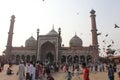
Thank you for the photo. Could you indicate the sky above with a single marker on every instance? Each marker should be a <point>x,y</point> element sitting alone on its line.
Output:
<point>72,16</point>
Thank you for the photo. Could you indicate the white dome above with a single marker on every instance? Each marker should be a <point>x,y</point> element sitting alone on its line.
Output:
<point>75,42</point>
<point>31,42</point>
<point>52,32</point>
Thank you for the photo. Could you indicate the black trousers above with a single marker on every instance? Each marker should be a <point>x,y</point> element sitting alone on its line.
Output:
<point>28,76</point>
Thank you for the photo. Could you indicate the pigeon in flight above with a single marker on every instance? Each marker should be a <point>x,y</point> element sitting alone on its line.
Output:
<point>116,26</point>
<point>103,40</point>
<point>98,33</point>
<point>77,13</point>
<point>109,46</point>
<point>112,41</point>
<point>99,49</point>
<point>106,35</point>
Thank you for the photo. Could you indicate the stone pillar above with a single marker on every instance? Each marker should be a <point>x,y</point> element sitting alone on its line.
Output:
<point>37,49</point>
<point>93,28</point>
<point>10,37</point>
<point>94,34</point>
<point>59,38</point>
<point>57,45</point>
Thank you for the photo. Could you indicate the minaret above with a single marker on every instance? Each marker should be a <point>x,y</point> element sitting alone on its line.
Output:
<point>94,36</point>
<point>37,51</point>
<point>59,40</point>
<point>93,30</point>
<point>10,37</point>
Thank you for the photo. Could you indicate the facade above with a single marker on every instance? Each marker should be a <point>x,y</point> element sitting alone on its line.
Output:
<point>48,47</point>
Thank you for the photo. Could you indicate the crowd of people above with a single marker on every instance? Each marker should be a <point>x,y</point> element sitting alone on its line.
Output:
<point>34,71</point>
<point>43,71</point>
<point>85,69</point>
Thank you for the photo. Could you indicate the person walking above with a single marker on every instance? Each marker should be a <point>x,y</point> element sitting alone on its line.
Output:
<point>85,72</point>
<point>33,69</point>
<point>49,76</point>
<point>118,70</point>
<point>36,72</point>
<point>40,71</point>
<point>76,73</point>
<point>21,71</point>
<point>28,71</point>
<point>69,76</point>
<point>111,72</point>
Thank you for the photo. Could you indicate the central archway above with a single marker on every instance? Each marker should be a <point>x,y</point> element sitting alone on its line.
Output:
<point>48,52</point>
<point>50,57</point>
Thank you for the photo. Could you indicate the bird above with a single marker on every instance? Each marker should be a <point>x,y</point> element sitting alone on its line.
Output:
<point>112,41</point>
<point>98,33</point>
<point>99,49</point>
<point>116,26</point>
<point>109,45</point>
<point>104,49</point>
<point>103,41</point>
<point>77,13</point>
<point>106,35</point>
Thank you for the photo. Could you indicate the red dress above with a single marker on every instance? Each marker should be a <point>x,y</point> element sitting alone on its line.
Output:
<point>86,74</point>
<point>40,70</point>
<point>49,77</point>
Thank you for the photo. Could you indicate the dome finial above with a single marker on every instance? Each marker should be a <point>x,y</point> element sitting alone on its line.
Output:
<point>52,32</point>
<point>31,34</point>
<point>75,34</point>
<point>53,27</point>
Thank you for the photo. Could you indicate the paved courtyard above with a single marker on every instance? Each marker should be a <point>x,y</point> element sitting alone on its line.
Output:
<point>58,76</point>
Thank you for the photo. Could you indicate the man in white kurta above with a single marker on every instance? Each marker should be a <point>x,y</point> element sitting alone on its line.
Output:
<point>28,71</point>
<point>33,69</point>
<point>21,71</point>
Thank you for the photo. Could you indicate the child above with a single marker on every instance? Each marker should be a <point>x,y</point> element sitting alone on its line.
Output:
<point>69,75</point>
<point>49,76</point>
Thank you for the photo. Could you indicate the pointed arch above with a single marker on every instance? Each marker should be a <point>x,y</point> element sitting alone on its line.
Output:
<point>69,59</point>
<point>28,58</point>
<point>82,58</point>
<point>33,58</point>
<point>89,58</point>
<point>63,59</point>
<point>17,59</point>
<point>76,59</point>
<point>23,57</point>
<point>48,51</point>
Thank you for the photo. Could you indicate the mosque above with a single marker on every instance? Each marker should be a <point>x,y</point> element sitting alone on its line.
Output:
<point>48,47</point>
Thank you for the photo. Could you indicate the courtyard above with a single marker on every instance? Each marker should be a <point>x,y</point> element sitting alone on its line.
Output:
<point>58,76</point>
